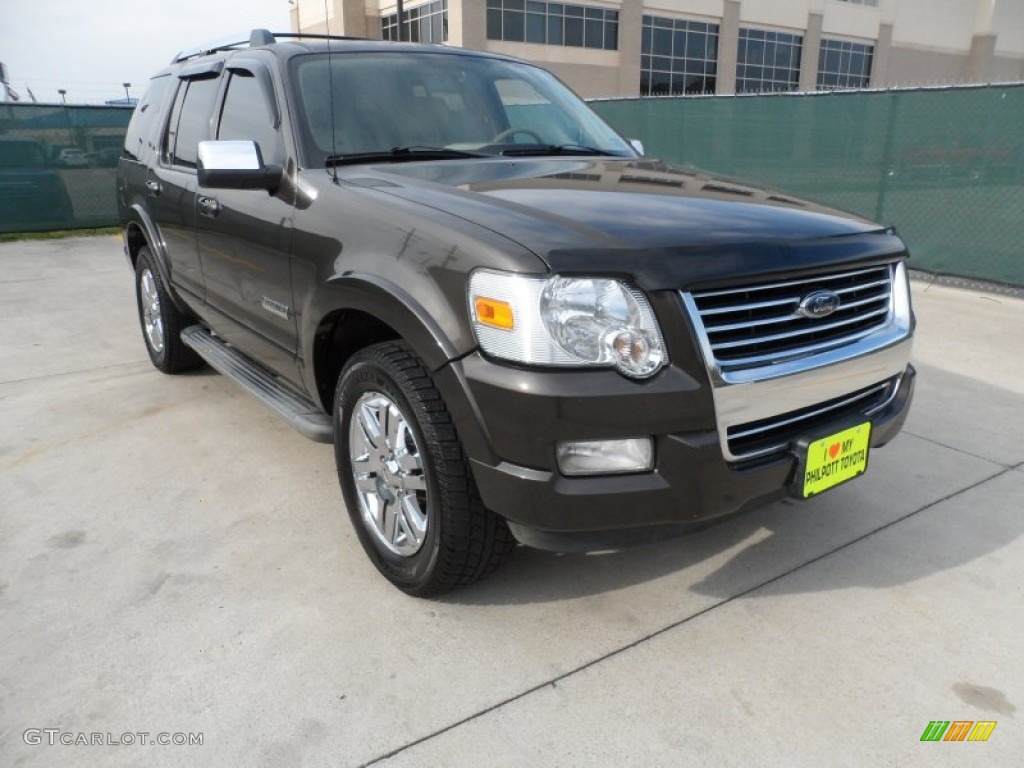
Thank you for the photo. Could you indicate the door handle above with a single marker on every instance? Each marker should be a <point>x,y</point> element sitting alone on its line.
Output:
<point>208,206</point>
<point>153,188</point>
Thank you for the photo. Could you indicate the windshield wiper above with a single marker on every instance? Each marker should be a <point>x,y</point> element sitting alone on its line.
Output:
<point>554,149</point>
<point>399,155</point>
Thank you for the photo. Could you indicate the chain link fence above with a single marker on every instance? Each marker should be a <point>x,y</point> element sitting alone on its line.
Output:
<point>945,166</point>
<point>58,165</point>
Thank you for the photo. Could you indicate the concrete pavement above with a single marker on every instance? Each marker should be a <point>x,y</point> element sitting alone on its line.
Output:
<point>175,559</point>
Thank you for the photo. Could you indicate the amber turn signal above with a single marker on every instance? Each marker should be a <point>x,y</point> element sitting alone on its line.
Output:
<point>497,314</point>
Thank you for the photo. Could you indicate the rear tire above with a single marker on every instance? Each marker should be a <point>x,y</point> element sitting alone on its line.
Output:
<point>161,321</point>
<point>405,477</point>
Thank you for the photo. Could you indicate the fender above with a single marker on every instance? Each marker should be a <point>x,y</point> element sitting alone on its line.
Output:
<point>409,318</point>
<point>158,248</point>
<point>389,303</point>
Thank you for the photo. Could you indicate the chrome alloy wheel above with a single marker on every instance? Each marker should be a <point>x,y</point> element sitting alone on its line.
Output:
<point>152,319</point>
<point>387,468</point>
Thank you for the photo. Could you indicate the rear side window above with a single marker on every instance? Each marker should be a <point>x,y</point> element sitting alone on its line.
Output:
<point>190,120</point>
<point>140,135</point>
<point>246,115</point>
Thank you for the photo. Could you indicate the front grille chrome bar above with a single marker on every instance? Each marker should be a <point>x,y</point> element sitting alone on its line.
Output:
<point>786,284</point>
<point>773,435</point>
<point>776,374</point>
<point>755,324</point>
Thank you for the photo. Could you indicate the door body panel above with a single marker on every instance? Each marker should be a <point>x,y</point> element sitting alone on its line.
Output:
<point>172,202</point>
<point>245,239</point>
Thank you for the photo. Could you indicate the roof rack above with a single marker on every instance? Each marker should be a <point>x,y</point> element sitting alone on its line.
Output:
<point>256,38</point>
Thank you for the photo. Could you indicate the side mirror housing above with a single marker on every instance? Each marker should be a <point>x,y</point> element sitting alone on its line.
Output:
<point>235,165</point>
<point>637,145</point>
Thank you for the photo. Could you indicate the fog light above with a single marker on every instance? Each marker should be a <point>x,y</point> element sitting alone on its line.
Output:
<point>604,457</point>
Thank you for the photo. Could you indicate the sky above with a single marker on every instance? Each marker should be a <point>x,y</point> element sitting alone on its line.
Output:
<point>91,47</point>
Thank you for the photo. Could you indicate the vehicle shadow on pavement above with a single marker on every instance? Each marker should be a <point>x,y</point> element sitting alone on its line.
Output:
<point>916,513</point>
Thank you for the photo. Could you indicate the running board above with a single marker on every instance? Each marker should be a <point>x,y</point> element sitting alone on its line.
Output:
<point>309,420</point>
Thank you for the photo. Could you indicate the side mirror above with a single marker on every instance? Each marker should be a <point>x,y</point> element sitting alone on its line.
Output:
<point>235,165</point>
<point>638,146</point>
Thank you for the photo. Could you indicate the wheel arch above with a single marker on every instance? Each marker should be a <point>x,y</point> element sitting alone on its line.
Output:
<point>141,231</point>
<point>339,335</point>
<point>355,311</point>
<point>134,241</point>
<point>371,309</point>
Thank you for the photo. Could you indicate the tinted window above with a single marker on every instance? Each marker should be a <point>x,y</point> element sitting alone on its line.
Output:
<point>172,123</point>
<point>246,115</point>
<point>443,100</point>
<point>843,64</point>
<point>552,24</point>
<point>426,23</point>
<point>767,61</point>
<point>531,112</point>
<point>140,129</point>
<point>678,56</point>
<point>194,122</point>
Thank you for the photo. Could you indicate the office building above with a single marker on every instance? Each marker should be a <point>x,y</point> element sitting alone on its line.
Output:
<point>673,47</point>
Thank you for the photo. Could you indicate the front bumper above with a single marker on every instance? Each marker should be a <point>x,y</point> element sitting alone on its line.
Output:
<point>692,484</point>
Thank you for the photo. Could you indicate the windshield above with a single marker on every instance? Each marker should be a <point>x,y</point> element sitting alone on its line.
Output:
<point>420,101</point>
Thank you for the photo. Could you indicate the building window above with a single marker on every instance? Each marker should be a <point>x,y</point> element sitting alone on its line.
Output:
<point>767,61</point>
<point>677,56</point>
<point>427,23</point>
<point>579,26</point>
<point>844,65</point>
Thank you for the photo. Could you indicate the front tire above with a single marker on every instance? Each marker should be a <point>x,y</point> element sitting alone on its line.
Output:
<point>161,321</point>
<point>405,478</point>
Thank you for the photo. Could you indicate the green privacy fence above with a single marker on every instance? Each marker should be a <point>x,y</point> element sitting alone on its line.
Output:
<point>945,166</point>
<point>57,165</point>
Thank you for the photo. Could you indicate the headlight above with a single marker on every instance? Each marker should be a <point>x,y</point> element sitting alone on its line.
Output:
<point>566,321</point>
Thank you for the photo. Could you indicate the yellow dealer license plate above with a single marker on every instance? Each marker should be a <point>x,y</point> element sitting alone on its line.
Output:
<point>835,459</point>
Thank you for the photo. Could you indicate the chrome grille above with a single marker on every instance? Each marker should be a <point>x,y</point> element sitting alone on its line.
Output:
<point>776,433</point>
<point>758,324</point>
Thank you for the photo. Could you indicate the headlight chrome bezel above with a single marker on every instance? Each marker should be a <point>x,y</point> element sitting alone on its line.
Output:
<point>532,341</point>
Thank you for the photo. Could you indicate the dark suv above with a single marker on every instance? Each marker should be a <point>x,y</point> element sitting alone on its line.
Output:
<point>510,324</point>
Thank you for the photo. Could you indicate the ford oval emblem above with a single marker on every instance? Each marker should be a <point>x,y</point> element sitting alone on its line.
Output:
<point>818,304</point>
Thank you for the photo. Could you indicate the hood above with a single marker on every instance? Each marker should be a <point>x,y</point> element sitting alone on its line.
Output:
<point>662,225</point>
